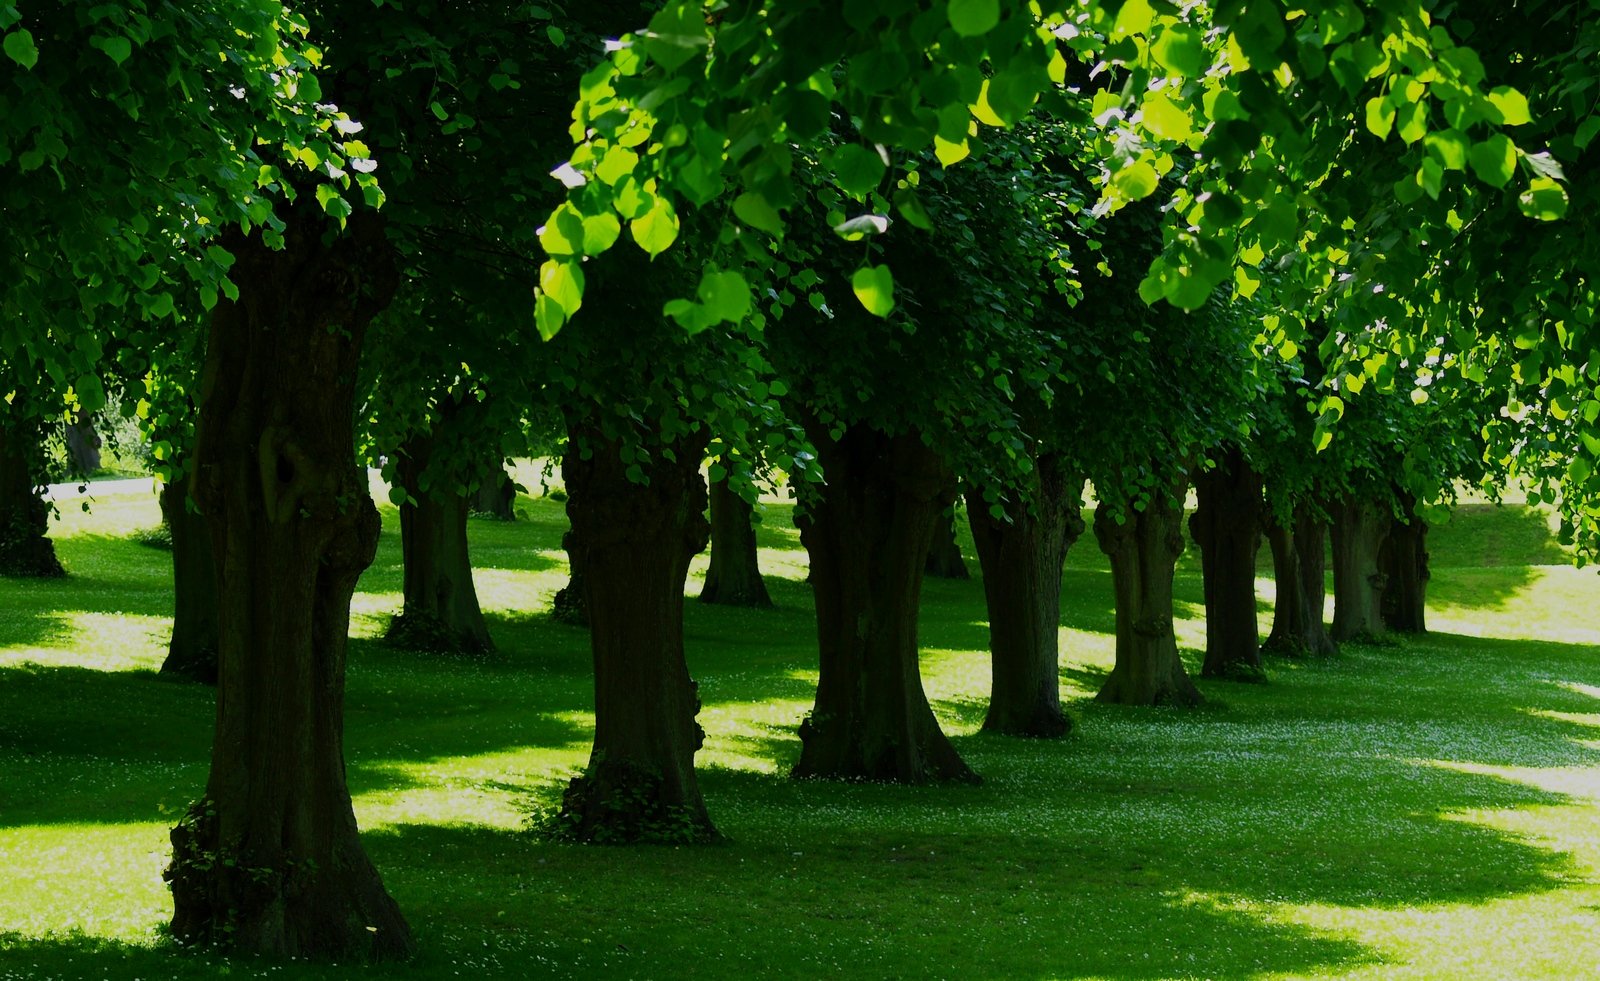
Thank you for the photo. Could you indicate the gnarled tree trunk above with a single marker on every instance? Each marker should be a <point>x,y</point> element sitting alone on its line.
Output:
<point>866,532</point>
<point>734,578</point>
<point>633,543</point>
<point>192,651</point>
<point>1021,556</point>
<point>1360,526</point>
<point>1299,569</point>
<point>1227,527</point>
<point>440,611</point>
<point>25,551</point>
<point>944,552</point>
<point>269,860</point>
<point>1144,552</point>
<point>1404,561</point>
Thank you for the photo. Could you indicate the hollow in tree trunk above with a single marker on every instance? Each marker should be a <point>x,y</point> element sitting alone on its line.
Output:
<point>269,861</point>
<point>866,531</point>
<point>1360,526</point>
<point>633,543</point>
<point>1299,570</point>
<point>192,651</point>
<point>440,611</point>
<point>496,498</point>
<point>25,549</point>
<point>1020,556</point>
<point>944,551</point>
<point>1144,552</point>
<point>1404,561</point>
<point>1227,527</point>
<point>734,578</point>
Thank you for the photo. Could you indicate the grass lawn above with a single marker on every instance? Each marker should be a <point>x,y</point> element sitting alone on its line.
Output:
<point>1424,810</point>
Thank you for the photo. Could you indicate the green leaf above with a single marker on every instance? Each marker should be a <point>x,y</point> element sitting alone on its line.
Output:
<point>1513,105</point>
<point>1164,118</point>
<point>1413,120</point>
<point>972,18</point>
<point>563,283</point>
<point>1494,160</point>
<point>1380,117</point>
<point>754,210</point>
<point>1136,182</point>
<point>726,295</point>
<point>1182,49</point>
<point>677,33</point>
<point>548,316</point>
<point>874,287</point>
<point>1544,200</point>
<point>1449,147</point>
<point>692,317</point>
<point>656,229</point>
<point>118,49</point>
<point>20,49</point>
<point>91,394</point>
<point>950,153</point>
<point>857,169</point>
<point>600,233</point>
<point>616,164</point>
<point>563,233</point>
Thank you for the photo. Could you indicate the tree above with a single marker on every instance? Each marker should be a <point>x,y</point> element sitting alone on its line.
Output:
<point>1227,525</point>
<point>734,577</point>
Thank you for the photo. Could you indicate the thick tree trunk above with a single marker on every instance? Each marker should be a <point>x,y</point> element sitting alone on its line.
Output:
<point>1404,561</point>
<point>568,605</point>
<point>440,611</point>
<point>1360,527</point>
<point>734,578</point>
<point>1144,552</point>
<point>1299,569</point>
<point>83,445</point>
<point>944,552</point>
<point>496,498</point>
<point>192,651</point>
<point>633,543</point>
<point>1020,557</point>
<point>1227,527</point>
<point>25,551</point>
<point>269,861</point>
<point>866,531</point>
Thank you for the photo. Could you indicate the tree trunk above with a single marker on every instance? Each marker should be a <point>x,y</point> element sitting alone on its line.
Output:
<point>568,605</point>
<point>192,651</point>
<point>25,551</point>
<point>496,498</point>
<point>944,552</point>
<point>1298,566</point>
<point>633,543</point>
<point>1227,527</point>
<point>1020,557</point>
<point>1360,527</point>
<point>269,861</point>
<point>1404,560</point>
<point>1144,552</point>
<point>734,578</point>
<point>866,531</point>
<point>83,445</point>
<point>440,611</point>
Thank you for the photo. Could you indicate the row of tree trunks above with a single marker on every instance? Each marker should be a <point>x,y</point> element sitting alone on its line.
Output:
<point>1227,527</point>
<point>1298,562</point>
<point>1403,561</point>
<point>633,543</point>
<point>1144,548</point>
<point>192,650</point>
<point>734,577</point>
<point>440,611</point>
<point>944,551</point>
<point>25,549</point>
<point>867,532</point>
<point>269,860</point>
<point>1360,526</point>
<point>1020,555</point>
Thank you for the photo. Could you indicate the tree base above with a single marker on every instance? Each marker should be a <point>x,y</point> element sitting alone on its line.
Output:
<point>1044,724</point>
<point>199,666</point>
<point>619,804</point>
<point>30,558</point>
<point>431,635</point>
<point>1252,674</point>
<point>568,606</point>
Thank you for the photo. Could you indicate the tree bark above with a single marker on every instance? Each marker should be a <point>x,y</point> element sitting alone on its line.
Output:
<point>192,651</point>
<point>25,549</point>
<point>734,578</point>
<point>1227,527</point>
<point>866,531</point>
<point>1298,565</point>
<point>1404,561</point>
<point>83,444</point>
<point>568,605</point>
<point>1021,557</point>
<point>633,543</point>
<point>944,552</point>
<point>496,498</point>
<point>1144,552</point>
<point>1360,527</point>
<point>269,861</point>
<point>440,611</point>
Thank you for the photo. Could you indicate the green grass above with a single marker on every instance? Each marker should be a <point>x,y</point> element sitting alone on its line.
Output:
<point>1426,810</point>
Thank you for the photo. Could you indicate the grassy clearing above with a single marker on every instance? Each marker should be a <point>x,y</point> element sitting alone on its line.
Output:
<point>1427,810</point>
